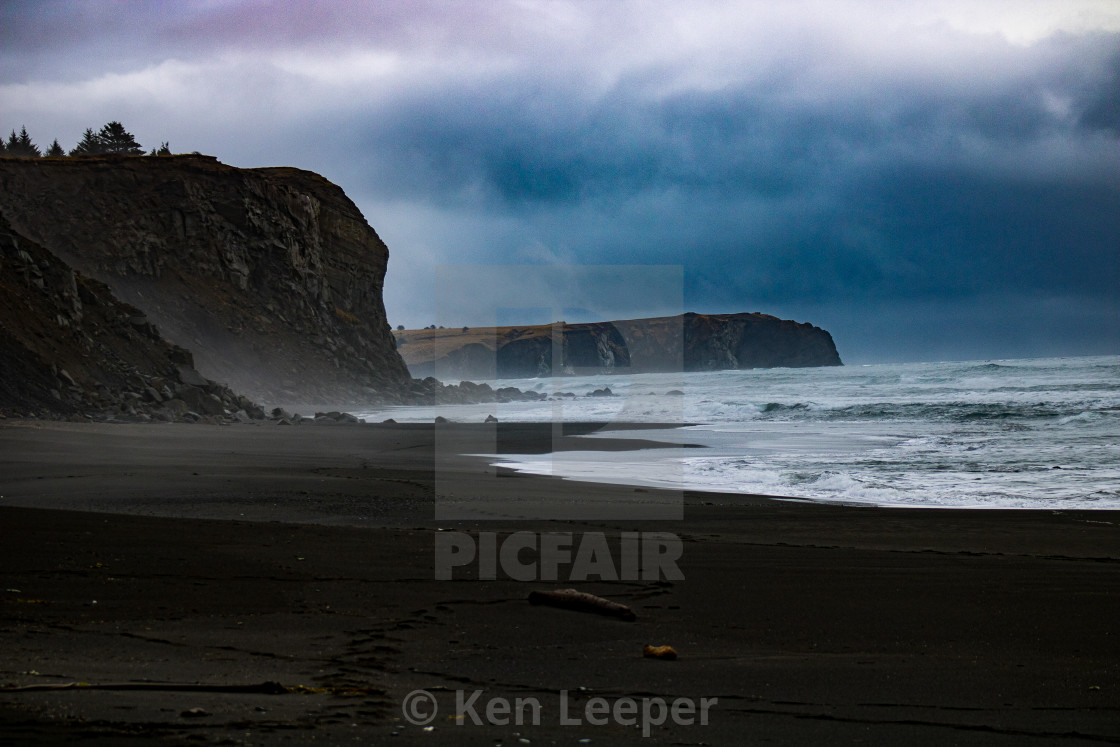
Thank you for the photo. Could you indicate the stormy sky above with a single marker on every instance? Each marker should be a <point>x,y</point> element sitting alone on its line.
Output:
<point>926,180</point>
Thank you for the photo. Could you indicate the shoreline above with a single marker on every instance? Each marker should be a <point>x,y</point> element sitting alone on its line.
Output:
<point>383,476</point>
<point>459,447</point>
<point>304,556</point>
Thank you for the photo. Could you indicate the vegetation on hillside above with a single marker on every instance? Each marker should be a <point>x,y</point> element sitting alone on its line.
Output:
<point>113,138</point>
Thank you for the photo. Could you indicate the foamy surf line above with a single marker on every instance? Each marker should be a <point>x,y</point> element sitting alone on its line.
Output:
<point>834,488</point>
<point>1032,434</point>
<point>841,464</point>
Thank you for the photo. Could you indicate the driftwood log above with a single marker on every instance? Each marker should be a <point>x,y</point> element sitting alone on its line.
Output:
<point>667,653</point>
<point>581,601</point>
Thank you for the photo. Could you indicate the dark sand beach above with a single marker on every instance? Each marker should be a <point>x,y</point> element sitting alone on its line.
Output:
<point>178,568</point>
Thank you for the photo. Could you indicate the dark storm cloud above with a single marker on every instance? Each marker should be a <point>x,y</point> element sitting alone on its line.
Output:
<point>906,192</point>
<point>805,159</point>
<point>523,143</point>
<point>1098,102</point>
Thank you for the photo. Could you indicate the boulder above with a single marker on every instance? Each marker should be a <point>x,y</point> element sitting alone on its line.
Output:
<point>202,401</point>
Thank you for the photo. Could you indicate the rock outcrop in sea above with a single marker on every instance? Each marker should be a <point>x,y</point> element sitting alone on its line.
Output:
<point>689,342</point>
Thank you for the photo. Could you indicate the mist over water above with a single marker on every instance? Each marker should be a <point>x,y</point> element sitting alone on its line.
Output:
<point>1039,433</point>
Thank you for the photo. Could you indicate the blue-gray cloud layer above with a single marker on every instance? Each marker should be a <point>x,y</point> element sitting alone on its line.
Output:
<point>959,201</point>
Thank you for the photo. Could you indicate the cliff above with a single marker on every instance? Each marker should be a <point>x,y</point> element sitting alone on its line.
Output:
<point>690,342</point>
<point>271,277</point>
<point>69,347</point>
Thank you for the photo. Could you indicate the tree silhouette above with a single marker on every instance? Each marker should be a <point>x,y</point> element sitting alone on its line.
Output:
<point>89,145</point>
<point>21,146</point>
<point>115,138</point>
<point>112,138</point>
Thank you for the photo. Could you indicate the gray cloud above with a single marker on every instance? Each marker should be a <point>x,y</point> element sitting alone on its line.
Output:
<point>914,193</point>
<point>793,162</point>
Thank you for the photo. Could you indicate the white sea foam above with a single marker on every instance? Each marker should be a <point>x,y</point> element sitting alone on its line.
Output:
<point>996,434</point>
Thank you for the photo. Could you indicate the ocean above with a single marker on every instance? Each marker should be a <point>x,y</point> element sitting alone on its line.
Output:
<point>1007,434</point>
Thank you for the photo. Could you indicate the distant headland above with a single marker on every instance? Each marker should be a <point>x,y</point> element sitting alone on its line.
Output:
<point>686,342</point>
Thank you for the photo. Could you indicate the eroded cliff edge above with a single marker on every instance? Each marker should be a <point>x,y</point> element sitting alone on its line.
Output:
<point>271,277</point>
<point>688,342</point>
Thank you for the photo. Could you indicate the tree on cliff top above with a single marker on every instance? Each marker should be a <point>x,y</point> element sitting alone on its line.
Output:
<point>55,151</point>
<point>21,146</point>
<point>116,139</point>
<point>89,145</point>
<point>113,138</point>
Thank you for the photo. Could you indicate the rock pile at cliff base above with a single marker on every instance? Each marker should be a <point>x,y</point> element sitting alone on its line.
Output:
<point>70,349</point>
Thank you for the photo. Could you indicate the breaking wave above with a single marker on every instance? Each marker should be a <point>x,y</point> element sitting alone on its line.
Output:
<point>1041,433</point>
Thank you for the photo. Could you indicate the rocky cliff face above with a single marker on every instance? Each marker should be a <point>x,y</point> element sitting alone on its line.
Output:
<point>270,277</point>
<point>69,347</point>
<point>712,342</point>
<point>583,349</point>
<point>690,342</point>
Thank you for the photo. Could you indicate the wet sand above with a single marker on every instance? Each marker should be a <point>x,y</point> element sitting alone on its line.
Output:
<point>174,565</point>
